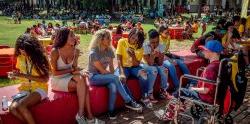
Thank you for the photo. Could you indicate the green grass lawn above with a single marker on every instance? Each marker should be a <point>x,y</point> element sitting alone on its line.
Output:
<point>10,32</point>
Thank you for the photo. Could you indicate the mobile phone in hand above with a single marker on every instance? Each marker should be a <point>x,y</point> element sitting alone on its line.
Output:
<point>19,96</point>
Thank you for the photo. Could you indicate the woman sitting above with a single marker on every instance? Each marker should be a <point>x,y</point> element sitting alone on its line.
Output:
<point>129,55</point>
<point>33,71</point>
<point>169,63</point>
<point>188,31</point>
<point>101,71</point>
<point>66,73</point>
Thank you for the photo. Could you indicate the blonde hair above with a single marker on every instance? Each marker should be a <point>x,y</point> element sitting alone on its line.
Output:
<point>98,38</point>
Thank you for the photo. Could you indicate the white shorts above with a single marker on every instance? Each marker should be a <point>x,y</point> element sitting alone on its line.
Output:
<point>40,91</point>
<point>60,83</point>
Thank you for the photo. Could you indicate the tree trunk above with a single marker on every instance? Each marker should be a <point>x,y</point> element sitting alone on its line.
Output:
<point>152,3</point>
<point>199,8</point>
<point>47,5</point>
<point>32,5</point>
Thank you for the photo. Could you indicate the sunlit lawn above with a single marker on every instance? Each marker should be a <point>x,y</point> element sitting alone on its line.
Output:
<point>10,32</point>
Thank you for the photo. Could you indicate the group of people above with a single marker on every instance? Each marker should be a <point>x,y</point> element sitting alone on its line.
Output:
<point>230,34</point>
<point>222,42</point>
<point>136,57</point>
<point>190,26</point>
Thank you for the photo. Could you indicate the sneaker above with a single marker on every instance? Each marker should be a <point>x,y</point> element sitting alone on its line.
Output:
<point>95,121</point>
<point>81,119</point>
<point>168,96</point>
<point>112,115</point>
<point>147,103</point>
<point>165,95</point>
<point>247,68</point>
<point>133,105</point>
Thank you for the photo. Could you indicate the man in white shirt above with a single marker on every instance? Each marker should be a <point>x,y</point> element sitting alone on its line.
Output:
<point>153,60</point>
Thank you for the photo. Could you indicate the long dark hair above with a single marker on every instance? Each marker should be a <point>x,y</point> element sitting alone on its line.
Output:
<point>235,33</point>
<point>140,36</point>
<point>61,37</point>
<point>35,53</point>
<point>119,29</point>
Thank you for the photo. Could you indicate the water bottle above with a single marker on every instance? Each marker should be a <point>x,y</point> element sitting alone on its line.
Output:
<point>10,75</point>
<point>4,103</point>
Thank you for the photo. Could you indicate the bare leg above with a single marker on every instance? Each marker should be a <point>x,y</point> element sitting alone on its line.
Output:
<point>78,84</point>
<point>88,107</point>
<point>29,101</point>
<point>13,110</point>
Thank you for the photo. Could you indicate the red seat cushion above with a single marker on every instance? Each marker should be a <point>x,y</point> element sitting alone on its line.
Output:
<point>4,46</point>
<point>7,61</point>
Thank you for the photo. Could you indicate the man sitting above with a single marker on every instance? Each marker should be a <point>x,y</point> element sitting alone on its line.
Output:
<point>203,91</point>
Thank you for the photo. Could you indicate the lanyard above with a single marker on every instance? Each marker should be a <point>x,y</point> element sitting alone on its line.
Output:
<point>29,72</point>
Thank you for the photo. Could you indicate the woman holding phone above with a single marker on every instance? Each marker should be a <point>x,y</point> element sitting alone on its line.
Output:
<point>33,71</point>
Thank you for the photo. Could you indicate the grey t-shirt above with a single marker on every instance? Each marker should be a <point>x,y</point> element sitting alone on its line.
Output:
<point>103,57</point>
<point>148,50</point>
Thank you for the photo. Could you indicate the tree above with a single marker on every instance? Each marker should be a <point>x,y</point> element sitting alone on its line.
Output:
<point>152,3</point>
<point>201,2</point>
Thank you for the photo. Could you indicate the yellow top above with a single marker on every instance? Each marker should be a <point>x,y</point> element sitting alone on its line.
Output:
<point>25,86</point>
<point>45,41</point>
<point>248,22</point>
<point>241,28</point>
<point>122,47</point>
<point>224,41</point>
<point>234,72</point>
<point>195,27</point>
<point>165,42</point>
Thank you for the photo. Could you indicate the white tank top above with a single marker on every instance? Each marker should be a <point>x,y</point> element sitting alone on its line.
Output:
<point>61,65</point>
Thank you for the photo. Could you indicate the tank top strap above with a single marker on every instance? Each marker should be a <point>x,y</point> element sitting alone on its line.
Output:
<point>74,56</point>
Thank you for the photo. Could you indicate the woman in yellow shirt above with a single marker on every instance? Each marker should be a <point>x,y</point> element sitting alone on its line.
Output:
<point>129,55</point>
<point>195,26</point>
<point>242,28</point>
<point>34,69</point>
<point>164,37</point>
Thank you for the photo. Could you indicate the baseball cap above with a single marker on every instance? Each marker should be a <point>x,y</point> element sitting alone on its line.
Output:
<point>213,46</point>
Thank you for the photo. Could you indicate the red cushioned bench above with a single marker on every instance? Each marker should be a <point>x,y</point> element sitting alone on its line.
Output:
<point>61,107</point>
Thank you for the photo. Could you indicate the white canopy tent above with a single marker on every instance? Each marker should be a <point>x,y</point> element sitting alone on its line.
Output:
<point>244,8</point>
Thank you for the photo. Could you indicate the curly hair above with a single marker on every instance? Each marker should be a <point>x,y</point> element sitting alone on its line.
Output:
<point>98,37</point>
<point>61,37</point>
<point>35,53</point>
<point>140,36</point>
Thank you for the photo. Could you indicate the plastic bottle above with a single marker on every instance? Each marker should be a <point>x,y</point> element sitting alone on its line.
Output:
<point>4,103</point>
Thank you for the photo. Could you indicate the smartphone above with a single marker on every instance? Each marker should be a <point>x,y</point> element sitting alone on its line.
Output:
<point>19,96</point>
